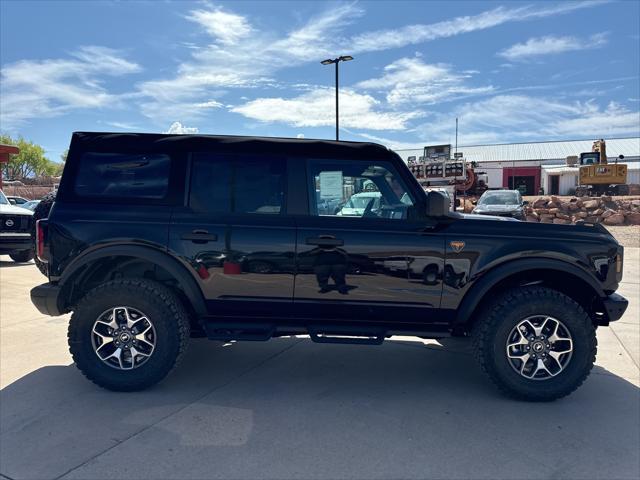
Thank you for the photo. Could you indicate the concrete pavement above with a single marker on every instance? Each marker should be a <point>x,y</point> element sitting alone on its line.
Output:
<point>290,408</point>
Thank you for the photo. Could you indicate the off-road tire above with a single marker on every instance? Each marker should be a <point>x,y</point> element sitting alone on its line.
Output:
<point>163,308</point>
<point>491,330</point>
<point>21,256</point>
<point>41,211</point>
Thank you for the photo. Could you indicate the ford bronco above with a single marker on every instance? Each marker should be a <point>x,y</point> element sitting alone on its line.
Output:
<point>155,238</point>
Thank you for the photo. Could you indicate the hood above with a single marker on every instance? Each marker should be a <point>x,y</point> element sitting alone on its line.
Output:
<point>498,208</point>
<point>349,212</point>
<point>13,210</point>
<point>471,216</point>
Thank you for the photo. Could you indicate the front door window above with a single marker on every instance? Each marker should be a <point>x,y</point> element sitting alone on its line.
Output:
<point>358,189</point>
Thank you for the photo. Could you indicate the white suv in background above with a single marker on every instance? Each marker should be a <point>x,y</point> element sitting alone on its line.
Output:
<point>15,231</point>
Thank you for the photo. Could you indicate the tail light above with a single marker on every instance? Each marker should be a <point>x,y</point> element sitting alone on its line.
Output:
<point>619,263</point>
<point>42,249</point>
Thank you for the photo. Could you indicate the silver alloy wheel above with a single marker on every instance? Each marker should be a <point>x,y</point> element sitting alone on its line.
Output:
<point>123,337</point>
<point>539,347</point>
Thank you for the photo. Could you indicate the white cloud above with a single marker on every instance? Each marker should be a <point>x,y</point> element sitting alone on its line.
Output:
<point>228,28</point>
<point>245,60</point>
<point>389,143</point>
<point>237,53</point>
<point>241,55</point>
<point>410,80</point>
<point>419,33</point>
<point>209,104</point>
<point>508,118</point>
<point>178,128</point>
<point>47,88</point>
<point>612,120</point>
<point>317,109</point>
<point>300,135</point>
<point>552,45</point>
<point>123,125</point>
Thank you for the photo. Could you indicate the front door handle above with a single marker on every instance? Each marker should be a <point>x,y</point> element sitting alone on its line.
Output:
<point>325,241</point>
<point>200,236</point>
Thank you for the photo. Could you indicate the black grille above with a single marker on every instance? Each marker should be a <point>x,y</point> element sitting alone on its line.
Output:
<point>15,223</point>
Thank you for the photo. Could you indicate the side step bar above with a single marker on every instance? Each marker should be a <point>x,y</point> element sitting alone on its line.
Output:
<point>253,332</point>
<point>346,335</point>
<point>259,331</point>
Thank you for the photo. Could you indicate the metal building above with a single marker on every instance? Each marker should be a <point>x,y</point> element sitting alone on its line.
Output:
<point>533,165</point>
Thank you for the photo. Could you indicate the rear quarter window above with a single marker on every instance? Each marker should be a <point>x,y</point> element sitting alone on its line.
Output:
<point>123,175</point>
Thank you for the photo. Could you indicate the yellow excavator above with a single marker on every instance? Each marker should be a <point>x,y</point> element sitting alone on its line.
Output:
<point>597,176</point>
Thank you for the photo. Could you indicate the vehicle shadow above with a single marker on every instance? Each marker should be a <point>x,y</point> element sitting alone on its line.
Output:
<point>290,408</point>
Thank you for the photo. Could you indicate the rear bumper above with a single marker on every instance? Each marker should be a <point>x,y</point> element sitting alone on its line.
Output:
<point>45,298</point>
<point>615,305</point>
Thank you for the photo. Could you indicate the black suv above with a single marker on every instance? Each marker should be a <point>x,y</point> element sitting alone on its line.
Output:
<point>153,238</point>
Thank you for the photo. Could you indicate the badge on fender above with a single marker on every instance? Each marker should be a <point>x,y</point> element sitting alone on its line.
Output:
<point>457,245</point>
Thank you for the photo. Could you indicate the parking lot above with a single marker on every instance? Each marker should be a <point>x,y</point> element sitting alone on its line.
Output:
<point>290,408</point>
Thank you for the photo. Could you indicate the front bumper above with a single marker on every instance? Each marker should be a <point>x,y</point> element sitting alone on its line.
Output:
<point>615,306</point>
<point>45,298</point>
<point>15,241</point>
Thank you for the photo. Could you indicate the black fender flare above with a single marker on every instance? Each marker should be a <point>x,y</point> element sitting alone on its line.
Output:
<point>477,293</point>
<point>162,259</point>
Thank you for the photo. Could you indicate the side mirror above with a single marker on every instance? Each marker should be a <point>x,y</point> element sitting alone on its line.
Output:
<point>620,157</point>
<point>12,201</point>
<point>525,202</point>
<point>474,202</point>
<point>438,205</point>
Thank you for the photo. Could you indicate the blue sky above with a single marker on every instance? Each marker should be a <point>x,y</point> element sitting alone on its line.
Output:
<point>511,71</point>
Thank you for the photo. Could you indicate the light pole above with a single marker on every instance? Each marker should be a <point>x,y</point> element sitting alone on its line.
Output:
<point>343,58</point>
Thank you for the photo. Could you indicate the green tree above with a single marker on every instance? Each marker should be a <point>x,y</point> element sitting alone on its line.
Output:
<point>60,166</point>
<point>30,162</point>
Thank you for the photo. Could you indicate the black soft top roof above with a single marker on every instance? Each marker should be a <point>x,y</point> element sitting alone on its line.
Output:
<point>152,142</point>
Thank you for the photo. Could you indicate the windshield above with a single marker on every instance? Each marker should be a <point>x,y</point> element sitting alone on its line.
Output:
<point>3,199</point>
<point>499,198</point>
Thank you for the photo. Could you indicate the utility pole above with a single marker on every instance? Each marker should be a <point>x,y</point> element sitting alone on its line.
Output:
<point>455,175</point>
<point>337,108</point>
<point>456,135</point>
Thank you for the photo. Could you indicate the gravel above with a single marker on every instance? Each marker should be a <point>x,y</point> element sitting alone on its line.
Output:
<point>627,236</point>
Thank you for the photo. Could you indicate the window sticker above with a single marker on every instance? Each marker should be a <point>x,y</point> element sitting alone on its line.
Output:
<point>331,184</point>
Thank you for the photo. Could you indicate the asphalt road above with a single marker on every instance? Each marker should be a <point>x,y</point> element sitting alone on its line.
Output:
<point>290,408</point>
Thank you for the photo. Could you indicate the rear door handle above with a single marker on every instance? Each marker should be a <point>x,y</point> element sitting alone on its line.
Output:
<point>200,236</point>
<point>325,241</point>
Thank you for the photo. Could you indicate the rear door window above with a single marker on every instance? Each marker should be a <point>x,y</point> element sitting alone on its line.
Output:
<point>237,184</point>
<point>123,175</point>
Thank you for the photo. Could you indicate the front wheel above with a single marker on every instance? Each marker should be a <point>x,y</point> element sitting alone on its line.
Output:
<point>22,256</point>
<point>128,334</point>
<point>535,343</point>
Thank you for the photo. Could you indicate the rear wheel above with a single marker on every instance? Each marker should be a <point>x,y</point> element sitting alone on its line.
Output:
<point>535,343</point>
<point>127,335</point>
<point>21,256</point>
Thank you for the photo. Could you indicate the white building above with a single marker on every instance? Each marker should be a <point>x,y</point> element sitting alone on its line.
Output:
<point>563,179</point>
<point>537,164</point>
